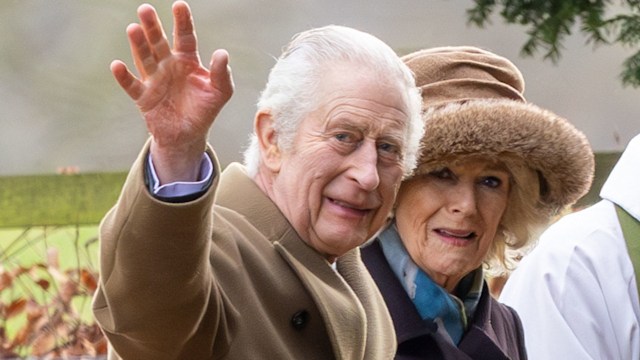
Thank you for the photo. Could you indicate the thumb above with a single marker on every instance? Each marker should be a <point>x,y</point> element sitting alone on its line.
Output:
<point>220,73</point>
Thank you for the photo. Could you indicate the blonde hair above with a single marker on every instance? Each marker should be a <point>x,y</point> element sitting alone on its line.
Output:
<point>523,220</point>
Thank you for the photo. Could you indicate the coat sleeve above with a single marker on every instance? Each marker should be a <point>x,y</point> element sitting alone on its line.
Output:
<point>156,295</point>
<point>572,293</point>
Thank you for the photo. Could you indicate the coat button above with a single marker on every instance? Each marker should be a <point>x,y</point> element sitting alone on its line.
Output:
<point>299,320</point>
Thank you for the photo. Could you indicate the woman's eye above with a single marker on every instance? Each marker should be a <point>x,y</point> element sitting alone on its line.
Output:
<point>444,173</point>
<point>492,181</point>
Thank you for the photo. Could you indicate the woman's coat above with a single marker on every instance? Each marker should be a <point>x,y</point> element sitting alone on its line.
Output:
<point>494,333</point>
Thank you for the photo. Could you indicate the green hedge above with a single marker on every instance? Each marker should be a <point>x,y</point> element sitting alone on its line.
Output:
<point>57,199</point>
<point>81,199</point>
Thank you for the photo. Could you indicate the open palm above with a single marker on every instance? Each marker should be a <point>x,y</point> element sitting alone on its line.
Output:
<point>178,97</point>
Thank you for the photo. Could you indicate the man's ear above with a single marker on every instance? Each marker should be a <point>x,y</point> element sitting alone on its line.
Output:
<point>268,141</point>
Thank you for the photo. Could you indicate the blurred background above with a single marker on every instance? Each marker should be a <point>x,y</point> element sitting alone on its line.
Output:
<point>60,106</point>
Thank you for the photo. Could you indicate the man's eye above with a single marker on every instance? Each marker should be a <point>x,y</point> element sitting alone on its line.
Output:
<point>388,148</point>
<point>344,137</point>
<point>389,152</point>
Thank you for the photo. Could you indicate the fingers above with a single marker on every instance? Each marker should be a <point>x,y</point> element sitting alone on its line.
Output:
<point>131,85</point>
<point>147,40</point>
<point>184,36</point>
<point>220,73</point>
<point>154,32</point>
<point>143,57</point>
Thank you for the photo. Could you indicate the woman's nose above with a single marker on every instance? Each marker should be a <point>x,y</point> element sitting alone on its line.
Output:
<point>462,199</point>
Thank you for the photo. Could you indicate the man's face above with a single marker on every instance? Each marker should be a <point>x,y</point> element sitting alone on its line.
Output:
<point>338,183</point>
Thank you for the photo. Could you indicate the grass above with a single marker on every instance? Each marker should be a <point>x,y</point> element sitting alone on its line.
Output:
<point>57,199</point>
<point>49,262</point>
<point>77,245</point>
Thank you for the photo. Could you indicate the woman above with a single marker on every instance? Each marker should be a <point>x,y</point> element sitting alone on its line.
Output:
<point>492,172</point>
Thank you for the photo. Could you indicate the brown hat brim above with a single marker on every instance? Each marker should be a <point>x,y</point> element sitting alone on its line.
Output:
<point>496,128</point>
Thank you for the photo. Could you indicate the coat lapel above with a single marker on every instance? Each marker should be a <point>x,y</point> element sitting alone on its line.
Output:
<point>341,310</point>
<point>481,339</point>
<point>336,301</point>
<point>407,321</point>
<point>381,342</point>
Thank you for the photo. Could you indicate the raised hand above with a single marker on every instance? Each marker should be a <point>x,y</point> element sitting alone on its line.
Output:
<point>178,97</point>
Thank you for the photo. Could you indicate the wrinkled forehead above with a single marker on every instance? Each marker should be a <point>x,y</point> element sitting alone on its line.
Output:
<point>348,87</point>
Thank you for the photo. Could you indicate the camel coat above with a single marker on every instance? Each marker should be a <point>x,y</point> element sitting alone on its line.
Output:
<point>225,276</point>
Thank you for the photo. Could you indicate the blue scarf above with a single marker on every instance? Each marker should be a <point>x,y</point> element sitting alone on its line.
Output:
<point>435,304</point>
<point>432,301</point>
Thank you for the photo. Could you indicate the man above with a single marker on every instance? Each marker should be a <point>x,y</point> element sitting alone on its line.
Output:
<point>258,262</point>
<point>576,291</point>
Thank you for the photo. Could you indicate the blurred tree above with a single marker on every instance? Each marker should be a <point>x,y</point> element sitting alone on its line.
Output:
<point>548,22</point>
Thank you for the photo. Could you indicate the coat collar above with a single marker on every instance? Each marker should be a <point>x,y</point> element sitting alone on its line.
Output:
<point>481,334</point>
<point>409,325</point>
<point>334,295</point>
<point>234,190</point>
<point>406,319</point>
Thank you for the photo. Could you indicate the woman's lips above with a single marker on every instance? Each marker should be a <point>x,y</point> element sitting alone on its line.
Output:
<point>458,234</point>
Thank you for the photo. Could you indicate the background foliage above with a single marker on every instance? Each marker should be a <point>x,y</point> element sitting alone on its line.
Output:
<point>549,23</point>
<point>49,263</point>
<point>47,279</point>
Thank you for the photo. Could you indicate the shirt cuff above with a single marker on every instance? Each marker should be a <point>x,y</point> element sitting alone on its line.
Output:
<point>180,189</point>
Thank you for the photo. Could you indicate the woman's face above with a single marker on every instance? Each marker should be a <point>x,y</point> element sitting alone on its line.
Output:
<point>448,218</point>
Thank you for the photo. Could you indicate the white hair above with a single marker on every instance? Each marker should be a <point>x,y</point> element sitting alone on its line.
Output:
<point>292,87</point>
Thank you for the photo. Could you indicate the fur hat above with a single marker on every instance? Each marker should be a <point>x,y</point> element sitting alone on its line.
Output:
<point>473,105</point>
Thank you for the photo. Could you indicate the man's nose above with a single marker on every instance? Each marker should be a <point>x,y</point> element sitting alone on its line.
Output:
<point>364,169</point>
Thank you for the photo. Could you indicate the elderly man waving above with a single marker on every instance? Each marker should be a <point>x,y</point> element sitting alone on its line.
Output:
<point>258,261</point>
